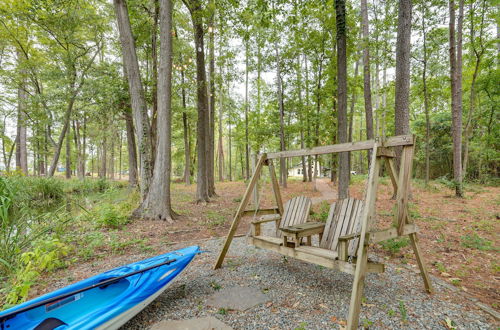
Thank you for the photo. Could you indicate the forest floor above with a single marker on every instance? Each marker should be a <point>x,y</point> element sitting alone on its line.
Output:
<point>458,237</point>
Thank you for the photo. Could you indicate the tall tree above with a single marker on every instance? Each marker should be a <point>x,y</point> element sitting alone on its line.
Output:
<point>402,84</point>
<point>139,108</point>
<point>478,49</point>
<point>22,97</point>
<point>202,135</point>
<point>157,204</point>
<point>211,114</point>
<point>366,70</point>
<point>344,172</point>
<point>456,93</point>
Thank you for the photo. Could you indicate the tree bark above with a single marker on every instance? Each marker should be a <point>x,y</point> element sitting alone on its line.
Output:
<point>139,108</point>
<point>202,136</point>
<point>426,100</point>
<point>186,136</point>
<point>456,94</point>
<point>211,115</point>
<point>154,69</point>
<point>366,71</point>
<point>21,145</point>
<point>300,111</point>
<point>157,204</point>
<point>344,172</point>
<point>283,170</point>
<point>478,54</point>
<point>247,145</point>
<point>132,148</point>
<point>402,84</point>
<point>68,153</point>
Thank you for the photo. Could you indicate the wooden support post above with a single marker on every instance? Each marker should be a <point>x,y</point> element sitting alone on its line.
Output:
<point>240,211</point>
<point>276,186</point>
<point>255,193</point>
<point>391,169</point>
<point>404,187</point>
<point>362,256</point>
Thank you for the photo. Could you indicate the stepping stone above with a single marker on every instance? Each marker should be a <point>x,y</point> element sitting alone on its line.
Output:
<point>204,323</point>
<point>238,298</point>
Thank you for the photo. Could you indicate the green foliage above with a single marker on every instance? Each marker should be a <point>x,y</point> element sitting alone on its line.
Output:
<point>45,256</point>
<point>403,311</point>
<point>394,245</point>
<point>109,216</point>
<point>474,241</point>
<point>322,213</point>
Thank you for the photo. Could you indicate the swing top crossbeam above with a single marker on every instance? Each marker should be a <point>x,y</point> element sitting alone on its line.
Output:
<point>395,141</point>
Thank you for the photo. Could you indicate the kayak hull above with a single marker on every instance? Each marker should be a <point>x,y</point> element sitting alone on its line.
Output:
<point>103,307</point>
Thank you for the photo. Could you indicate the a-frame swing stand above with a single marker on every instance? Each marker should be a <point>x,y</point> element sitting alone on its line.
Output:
<point>381,152</point>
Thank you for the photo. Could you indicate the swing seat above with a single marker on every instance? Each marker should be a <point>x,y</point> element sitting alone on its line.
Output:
<point>295,212</point>
<point>338,243</point>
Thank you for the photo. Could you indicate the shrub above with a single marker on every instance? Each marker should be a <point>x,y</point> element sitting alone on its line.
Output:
<point>108,216</point>
<point>394,245</point>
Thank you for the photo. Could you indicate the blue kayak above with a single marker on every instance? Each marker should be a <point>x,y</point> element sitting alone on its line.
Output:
<point>104,301</point>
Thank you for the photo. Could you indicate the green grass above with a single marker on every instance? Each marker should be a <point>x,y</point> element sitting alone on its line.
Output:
<point>215,219</point>
<point>474,241</point>
<point>394,245</point>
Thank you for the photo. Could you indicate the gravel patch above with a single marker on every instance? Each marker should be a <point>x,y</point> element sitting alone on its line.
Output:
<point>307,296</point>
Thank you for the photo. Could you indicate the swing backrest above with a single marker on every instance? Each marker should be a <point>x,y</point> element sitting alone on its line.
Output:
<point>343,219</point>
<point>295,212</point>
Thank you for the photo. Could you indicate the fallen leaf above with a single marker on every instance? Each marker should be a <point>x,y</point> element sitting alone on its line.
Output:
<point>445,274</point>
<point>296,304</point>
<point>269,304</point>
<point>323,306</point>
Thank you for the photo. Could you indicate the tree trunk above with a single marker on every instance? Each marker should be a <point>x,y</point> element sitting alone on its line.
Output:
<point>132,148</point>
<point>402,84</point>
<point>283,170</point>
<point>112,157</point>
<point>157,204</point>
<point>344,172</point>
<point>185,130</point>
<point>366,71</point>
<point>64,130</point>
<point>220,146</point>
<point>308,122</point>
<point>351,111</point>
<point>426,100</point>
<point>21,148</point>
<point>104,156</point>
<point>154,60</point>
<point>139,108</point>
<point>211,125</point>
<point>202,194</point>
<point>68,153</point>
<point>456,94</point>
<point>478,53</point>
<point>247,146</point>
<point>301,122</point>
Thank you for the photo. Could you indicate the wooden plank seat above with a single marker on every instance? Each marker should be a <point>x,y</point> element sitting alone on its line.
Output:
<point>338,244</point>
<point>295,212</point>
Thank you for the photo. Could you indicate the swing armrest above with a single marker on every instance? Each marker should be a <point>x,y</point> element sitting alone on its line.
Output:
<point>267,218</point>
<point>349,237</point>
<point>343,247</point>
<point>264,219</point>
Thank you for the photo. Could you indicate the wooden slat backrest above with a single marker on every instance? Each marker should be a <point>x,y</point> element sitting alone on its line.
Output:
<point>343,219</point>
<point>296,211</point>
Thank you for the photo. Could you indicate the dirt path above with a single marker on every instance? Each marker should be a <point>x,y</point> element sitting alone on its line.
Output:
<point>327,193</point>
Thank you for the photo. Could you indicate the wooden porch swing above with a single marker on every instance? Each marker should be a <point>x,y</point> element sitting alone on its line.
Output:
<point>345,237</point>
